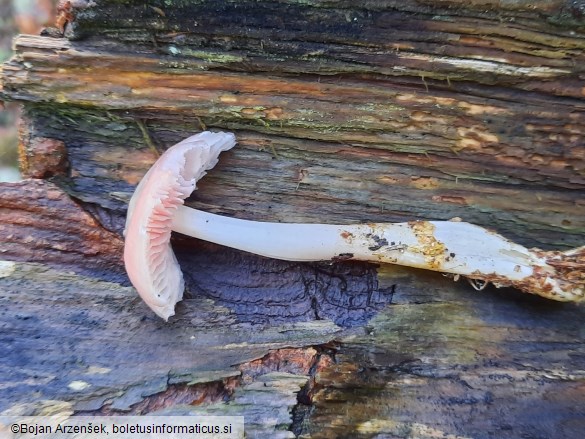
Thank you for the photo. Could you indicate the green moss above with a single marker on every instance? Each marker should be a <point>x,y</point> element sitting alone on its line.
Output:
<point>218,57</point>
<point>445,330</point>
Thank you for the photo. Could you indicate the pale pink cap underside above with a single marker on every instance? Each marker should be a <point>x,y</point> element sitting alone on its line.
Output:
<point>149,258</point>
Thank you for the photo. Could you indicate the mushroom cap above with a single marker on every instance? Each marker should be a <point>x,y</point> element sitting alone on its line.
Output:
<point>150,262</point>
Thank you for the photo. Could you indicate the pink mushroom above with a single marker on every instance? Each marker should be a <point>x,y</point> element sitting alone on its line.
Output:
<point>457,248</point>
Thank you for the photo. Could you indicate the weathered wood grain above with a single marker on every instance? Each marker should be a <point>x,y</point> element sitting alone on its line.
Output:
<point>441,360</point>
<point>485,123</point>
<point>344,112</point>
<point>459,365</point>
<point>99,334</point>
<point>40,223</point>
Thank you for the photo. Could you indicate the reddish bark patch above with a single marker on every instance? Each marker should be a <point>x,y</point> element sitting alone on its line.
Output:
<point>43,158</point>
<point>293,360</point>
<point>40,223</point>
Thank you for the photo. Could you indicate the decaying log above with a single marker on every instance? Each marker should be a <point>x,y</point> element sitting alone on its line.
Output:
<point>457,366</point>
<point>94,346</point>
<point>388,113</point>
<point>344,112</point>
<point>32,218</point>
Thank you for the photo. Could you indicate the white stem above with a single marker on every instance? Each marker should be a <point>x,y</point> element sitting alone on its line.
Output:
<point>445,246</point>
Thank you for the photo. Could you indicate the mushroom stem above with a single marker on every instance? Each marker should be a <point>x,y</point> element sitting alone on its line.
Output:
<point>451,247</point>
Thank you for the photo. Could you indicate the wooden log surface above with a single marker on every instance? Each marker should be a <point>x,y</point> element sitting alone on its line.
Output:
<point>440,360</point>
<point>382,111</point>
<point>391,112</point>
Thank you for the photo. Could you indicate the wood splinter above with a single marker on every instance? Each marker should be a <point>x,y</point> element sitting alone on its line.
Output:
<point>453,247</point>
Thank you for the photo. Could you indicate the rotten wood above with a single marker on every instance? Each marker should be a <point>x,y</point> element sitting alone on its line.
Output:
<point>393,112</point>
<point>99,350</point>
<point>442,360</point>
<point>457,365</point>
<point>467,355</point>
<point>41,223</point>
<point>382,111</point>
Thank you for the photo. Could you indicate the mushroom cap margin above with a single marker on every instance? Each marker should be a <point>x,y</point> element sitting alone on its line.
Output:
<point>149,259</point>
